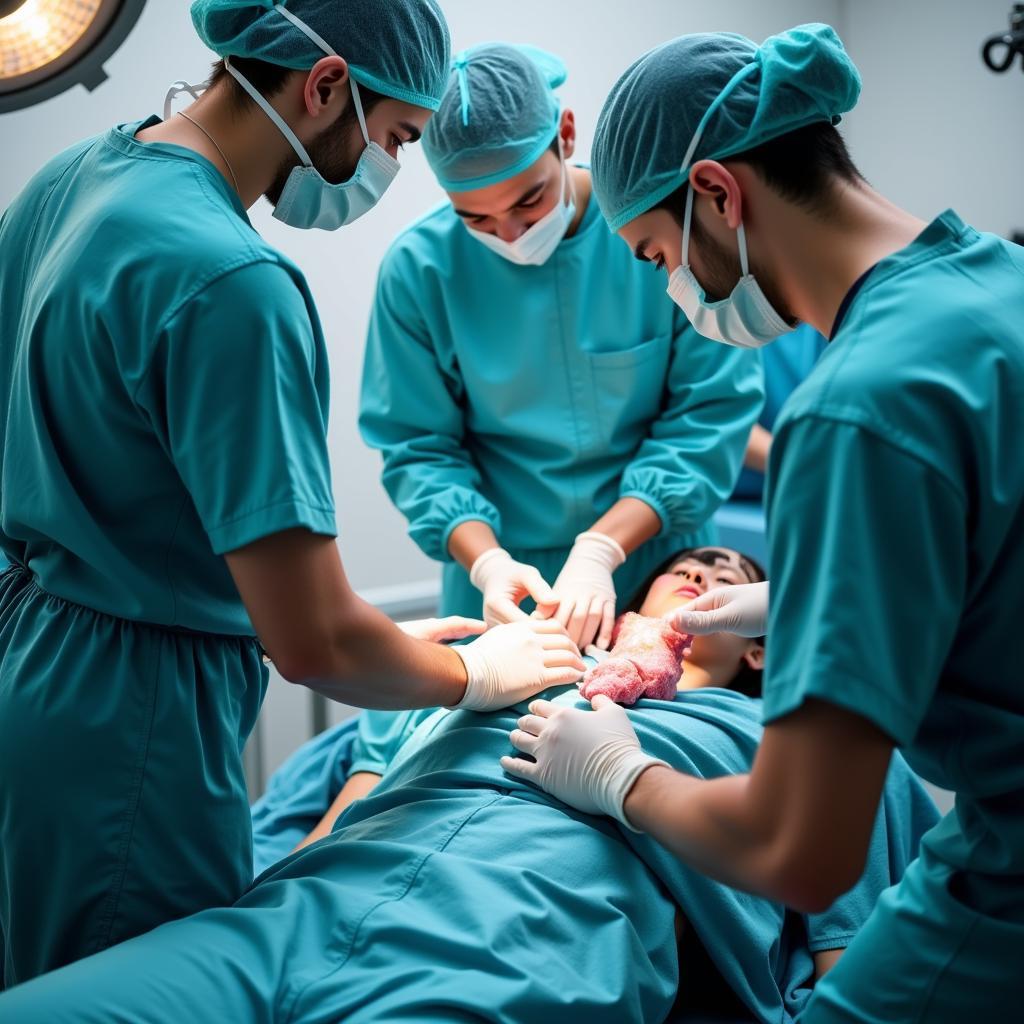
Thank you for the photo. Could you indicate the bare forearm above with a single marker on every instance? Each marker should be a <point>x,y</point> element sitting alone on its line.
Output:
<point>373,664</point>
<point>708,824</point>
<point>630,522</point>
<point>758,447</point>
<point>356,787</point>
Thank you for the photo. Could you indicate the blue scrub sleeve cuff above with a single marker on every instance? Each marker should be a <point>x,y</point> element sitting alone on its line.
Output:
<point>827,941</point>
<point>659,509</point>
<point>285,515</point>
<point>479,517</point>
<point>877,704</point>
<point>366,764</point>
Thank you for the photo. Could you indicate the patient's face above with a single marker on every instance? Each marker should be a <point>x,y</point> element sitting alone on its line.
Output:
<point>721,655</point>
<point>702,570</point>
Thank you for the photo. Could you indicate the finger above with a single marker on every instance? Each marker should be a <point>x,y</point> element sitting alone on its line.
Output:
<point>592,623</point>
<point>538,589</point>
<point>558,642</point>
<point>547,627</point>
<point>524,742</point>
<point>694,623</point>
<point>504,609</point>
<point>517,766</point>
<point>532,724</point>
<point>564,659</point>
<point>458,628</point>
<point>601,700</point>
<point>544,708</point>
<point>577,621</point>
<point>604,636</point>
<point>546,609</point>
<point>562,676</point>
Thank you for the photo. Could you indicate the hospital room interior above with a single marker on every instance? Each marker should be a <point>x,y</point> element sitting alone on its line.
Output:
<point>410,859</point>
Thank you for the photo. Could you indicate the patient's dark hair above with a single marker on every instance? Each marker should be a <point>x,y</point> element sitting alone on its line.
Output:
<point>747,680</point>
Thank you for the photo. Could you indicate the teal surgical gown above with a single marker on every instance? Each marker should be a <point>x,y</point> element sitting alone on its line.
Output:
<point>533,398</point>
<point>455,892</point>
<point>163,401</point>
<point>896,524</point>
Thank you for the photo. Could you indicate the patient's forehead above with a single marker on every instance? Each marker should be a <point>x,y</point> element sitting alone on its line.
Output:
<point>720,557</point>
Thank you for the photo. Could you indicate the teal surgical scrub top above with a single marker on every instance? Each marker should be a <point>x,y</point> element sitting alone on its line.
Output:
<point>533,398</point>
<point>163,401</point>
<point>896,525</point>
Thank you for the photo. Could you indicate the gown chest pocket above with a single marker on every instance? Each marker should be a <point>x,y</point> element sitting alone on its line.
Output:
<point>628,389</point>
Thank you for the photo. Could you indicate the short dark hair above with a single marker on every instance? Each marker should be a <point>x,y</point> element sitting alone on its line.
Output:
<point>802,166</point>
<point>747,680</point>
<point>269,79</point>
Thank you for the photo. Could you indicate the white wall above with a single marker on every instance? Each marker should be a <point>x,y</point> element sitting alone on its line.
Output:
<point>934,127</point>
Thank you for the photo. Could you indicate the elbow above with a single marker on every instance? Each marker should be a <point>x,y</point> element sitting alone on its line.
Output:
<point>303,665</point>
<point>810,883</point>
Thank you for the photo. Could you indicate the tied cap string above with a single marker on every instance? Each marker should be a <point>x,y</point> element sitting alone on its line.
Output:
<point>461,64</point>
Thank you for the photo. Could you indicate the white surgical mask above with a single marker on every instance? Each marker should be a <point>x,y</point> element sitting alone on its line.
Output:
<point>535,245</point>
<point>308,199</point>
<point>746,319</point>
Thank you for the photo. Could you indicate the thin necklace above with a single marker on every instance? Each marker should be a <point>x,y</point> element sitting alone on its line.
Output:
<point>227,162</point>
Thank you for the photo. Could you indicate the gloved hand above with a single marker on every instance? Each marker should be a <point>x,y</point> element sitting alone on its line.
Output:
<point>512,662</point>
<point>742,610</point>
<point>454,627</point>
<point>587,759</point>
<point>585,592</point>
<point>504,582</point>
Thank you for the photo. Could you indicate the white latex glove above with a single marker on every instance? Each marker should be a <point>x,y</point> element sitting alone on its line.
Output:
<point>454,627</point>
<point>505,582</point>
<point>742,610</point>
<point>587,759</point>
<point>585,592</point>
<point>512,662</point>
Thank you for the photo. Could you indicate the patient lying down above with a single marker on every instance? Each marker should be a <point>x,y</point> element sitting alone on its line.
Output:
<point>454,891</point>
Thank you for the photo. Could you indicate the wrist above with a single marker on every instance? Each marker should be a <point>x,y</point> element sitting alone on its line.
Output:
<point>484,564</point>
<point>458,682</point>
<point>641,793</point>
<point>606,550</point>
<point>476,688</point>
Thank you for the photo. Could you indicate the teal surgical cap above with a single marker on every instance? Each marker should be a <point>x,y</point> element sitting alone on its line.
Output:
<point>497,116</point>
<point>399,48</point>
<point>709,96</point>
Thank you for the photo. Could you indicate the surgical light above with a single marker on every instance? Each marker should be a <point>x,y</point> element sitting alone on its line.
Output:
<point>47,46</point>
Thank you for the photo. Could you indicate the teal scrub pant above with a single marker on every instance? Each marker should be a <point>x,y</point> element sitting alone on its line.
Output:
<point>122,792</point>
<point>460,597</point>
<point>925,957</point>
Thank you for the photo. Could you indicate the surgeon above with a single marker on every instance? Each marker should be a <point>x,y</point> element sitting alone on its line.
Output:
<point>165,480</point>
<point>895,504</point>
<point>550,428</point>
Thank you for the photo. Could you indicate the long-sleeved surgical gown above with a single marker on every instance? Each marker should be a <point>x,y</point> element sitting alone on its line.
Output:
<point>896,524</point>
<point>164,401</point>
<point>532,398</point>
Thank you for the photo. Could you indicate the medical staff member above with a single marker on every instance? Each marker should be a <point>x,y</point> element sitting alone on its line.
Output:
<point>896,505</point>
<point>541,414</point>
<point>165,479</point>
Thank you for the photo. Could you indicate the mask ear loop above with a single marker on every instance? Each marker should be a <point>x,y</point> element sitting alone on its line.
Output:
<point>687,217</point>
<point>176,89</point>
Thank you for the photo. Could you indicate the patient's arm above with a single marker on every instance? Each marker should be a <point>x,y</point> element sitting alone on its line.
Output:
<point>645,661</point>
<point>356,787</point>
